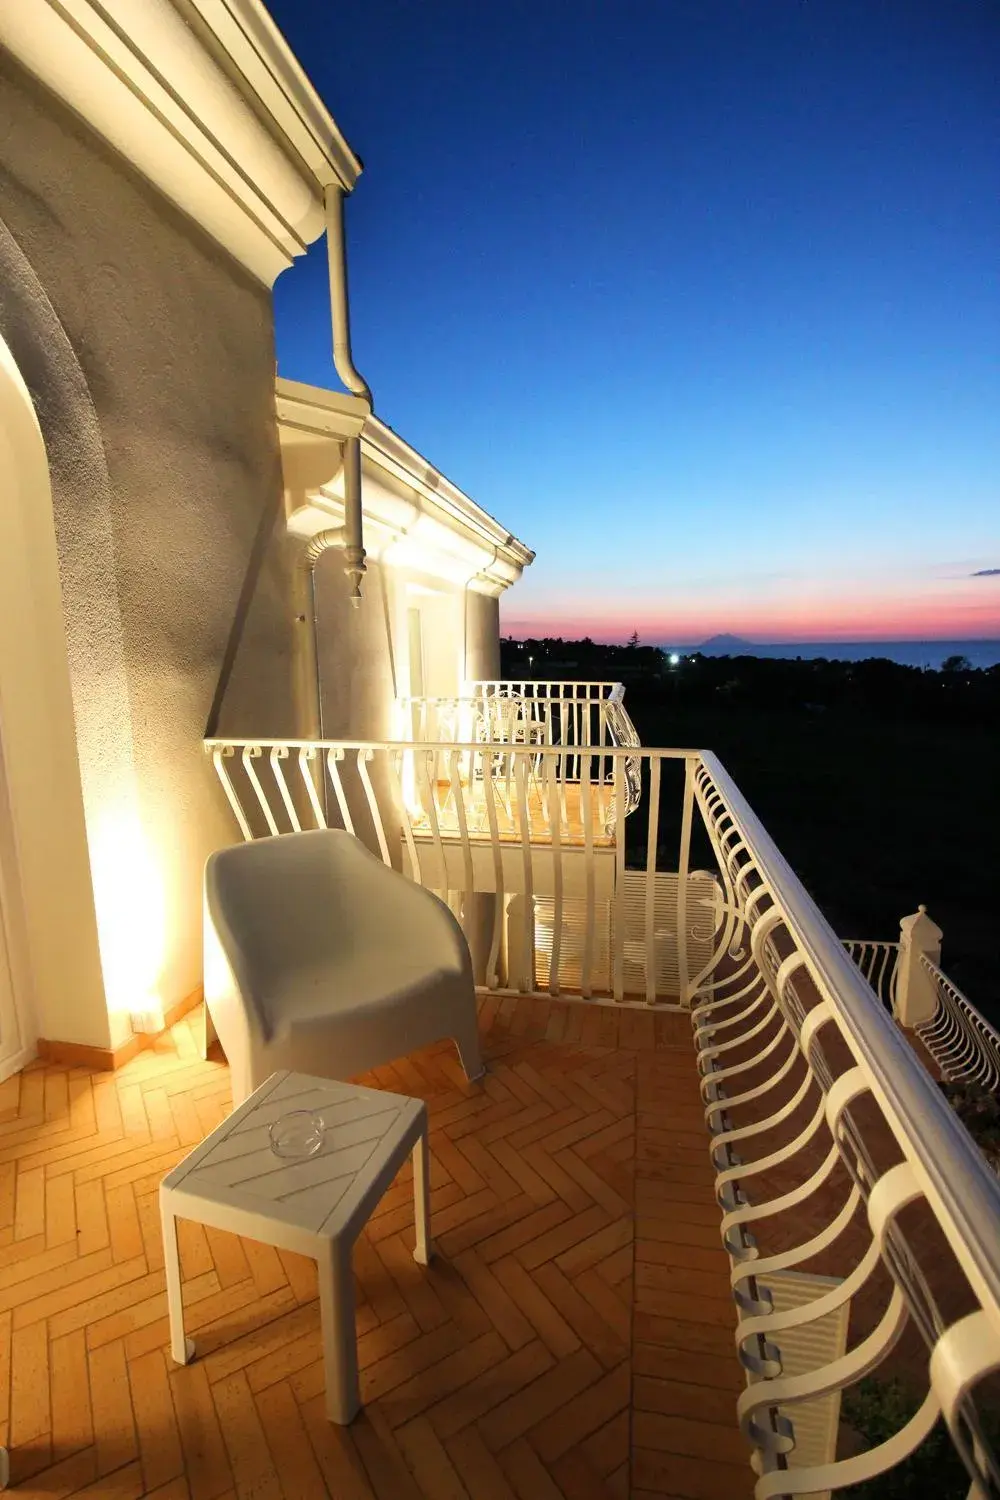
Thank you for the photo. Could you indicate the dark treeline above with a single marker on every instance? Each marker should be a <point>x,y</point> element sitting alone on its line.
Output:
<point>879,782</point>
<point>958,694</point>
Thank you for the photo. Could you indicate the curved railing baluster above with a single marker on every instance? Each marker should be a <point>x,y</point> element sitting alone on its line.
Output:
<point>961,1041</point>
<point>779,1044</point>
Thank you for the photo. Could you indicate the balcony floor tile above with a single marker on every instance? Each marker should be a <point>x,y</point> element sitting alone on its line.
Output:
<point>573,1336</point>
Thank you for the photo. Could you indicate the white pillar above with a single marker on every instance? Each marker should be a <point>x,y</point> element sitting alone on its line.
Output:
<point>916,991</point>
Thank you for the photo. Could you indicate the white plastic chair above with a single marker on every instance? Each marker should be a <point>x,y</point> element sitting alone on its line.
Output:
<point>321,959</point>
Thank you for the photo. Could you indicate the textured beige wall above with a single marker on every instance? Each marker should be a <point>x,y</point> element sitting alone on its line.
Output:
<point>357,650</point>
<point>358,666</point>
<point>441,620</point>
<point>482,638</point>
<point>364,653</point>
<point>364,657</point>
<point>150,359</point>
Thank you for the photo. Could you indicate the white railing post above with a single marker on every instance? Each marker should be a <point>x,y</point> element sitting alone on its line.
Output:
<point>916,990</point>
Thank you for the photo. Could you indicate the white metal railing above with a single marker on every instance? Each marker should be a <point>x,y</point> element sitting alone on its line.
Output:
<point>540,832</point>
<point>571,708</point>
<point>961,1041</point>
<point>964,1045</point>
<point>583,716</point>
<point>506,717</point>
<point>827,1136</point>
<point>878,963</point>
<point>533,687</point>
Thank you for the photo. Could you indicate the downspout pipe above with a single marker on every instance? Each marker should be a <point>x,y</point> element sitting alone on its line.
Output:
<point>336,246</point>
<point>333,537</point>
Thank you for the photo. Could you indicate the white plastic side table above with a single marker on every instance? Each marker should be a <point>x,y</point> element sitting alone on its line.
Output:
<point>315,1206</point>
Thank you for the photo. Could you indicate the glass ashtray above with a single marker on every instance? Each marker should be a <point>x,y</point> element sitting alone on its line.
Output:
<point>297,1134</point>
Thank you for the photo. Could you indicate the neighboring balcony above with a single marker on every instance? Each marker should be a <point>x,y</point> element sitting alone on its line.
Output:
<point>954,1040</point>
<point>861,1222</point>
<point>574,718</point>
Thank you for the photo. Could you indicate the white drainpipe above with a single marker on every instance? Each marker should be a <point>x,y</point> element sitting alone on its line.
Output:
<point>333,537</point>
<point>354,551</point>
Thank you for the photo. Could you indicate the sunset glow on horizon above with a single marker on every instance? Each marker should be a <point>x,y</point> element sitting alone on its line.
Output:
<point>949,610</point>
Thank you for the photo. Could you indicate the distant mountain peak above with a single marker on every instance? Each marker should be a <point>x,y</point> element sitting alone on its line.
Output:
<point>725,645</point>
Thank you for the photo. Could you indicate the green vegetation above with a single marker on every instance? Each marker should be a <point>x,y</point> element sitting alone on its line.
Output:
<point>979,1111</point>
<point>879,783</point>
<point>876,1410</point>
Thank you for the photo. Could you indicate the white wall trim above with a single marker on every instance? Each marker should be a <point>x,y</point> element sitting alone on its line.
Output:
<point>206,100</point>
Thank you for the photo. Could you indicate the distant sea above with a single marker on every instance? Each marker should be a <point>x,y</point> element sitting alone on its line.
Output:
<point>906,653</point>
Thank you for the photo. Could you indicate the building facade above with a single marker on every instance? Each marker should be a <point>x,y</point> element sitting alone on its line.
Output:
<point>159,168</point>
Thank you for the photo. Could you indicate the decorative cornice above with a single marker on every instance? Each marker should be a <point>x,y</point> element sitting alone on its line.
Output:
<point>206,100</point>
<point>414,517</point>
<point>246,35</point>
<point>387,449</point>
<point>310,409</point>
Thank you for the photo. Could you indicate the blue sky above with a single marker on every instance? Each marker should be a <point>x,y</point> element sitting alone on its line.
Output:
<point>698,297</point>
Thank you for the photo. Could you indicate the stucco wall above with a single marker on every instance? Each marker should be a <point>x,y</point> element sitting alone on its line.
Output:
<point>441,621</point>
<point>482,638</point>
<point>358,667</point>
<point>364,656</point>
<point>161,520</point>
<point>357,650</point>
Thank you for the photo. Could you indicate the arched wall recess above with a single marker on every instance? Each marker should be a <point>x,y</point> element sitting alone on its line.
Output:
<point>49,916</point>
<point>62,543</point>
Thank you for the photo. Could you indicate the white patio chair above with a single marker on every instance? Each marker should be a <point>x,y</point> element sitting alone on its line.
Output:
<point>321,959</point>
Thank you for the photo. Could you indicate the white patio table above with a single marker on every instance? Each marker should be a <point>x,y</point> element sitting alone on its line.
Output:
<point>316,1205</point>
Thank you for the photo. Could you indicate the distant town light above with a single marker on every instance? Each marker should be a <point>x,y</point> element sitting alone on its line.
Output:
<point>674,659</point>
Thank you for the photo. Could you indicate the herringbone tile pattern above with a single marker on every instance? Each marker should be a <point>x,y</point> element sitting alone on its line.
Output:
<point>573,1336</point>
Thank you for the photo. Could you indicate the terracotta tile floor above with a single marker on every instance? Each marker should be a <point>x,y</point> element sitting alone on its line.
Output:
<point>572,1338</point>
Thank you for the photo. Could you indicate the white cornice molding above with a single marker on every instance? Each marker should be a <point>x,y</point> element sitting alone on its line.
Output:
<point>206,100</point>
<point>312,410</point>
<point>313,426</point>
<point>248,35</point>
<point>413,516</point>
<point>390,452</point>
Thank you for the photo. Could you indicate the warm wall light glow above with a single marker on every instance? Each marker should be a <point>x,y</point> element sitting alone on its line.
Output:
<point>128,895</point>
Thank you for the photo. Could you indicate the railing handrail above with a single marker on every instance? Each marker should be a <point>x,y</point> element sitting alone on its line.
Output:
<point>616,696</point>
<point>933,1138</point>
<point>597,752</point>
<point>547,682</point>
<point>870,943</point>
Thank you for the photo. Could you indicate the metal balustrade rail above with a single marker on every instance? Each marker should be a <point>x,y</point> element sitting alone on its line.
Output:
<point>965,1046</point>
<point>830,1140</point>
<point>878,963</point>
<point>540,832</point>
<point>489,717</point>
<point>533,687</point>
<point>569,708</point>
<point>961,1041</point>
<point>832,1147</point>
<point>574,721</point>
